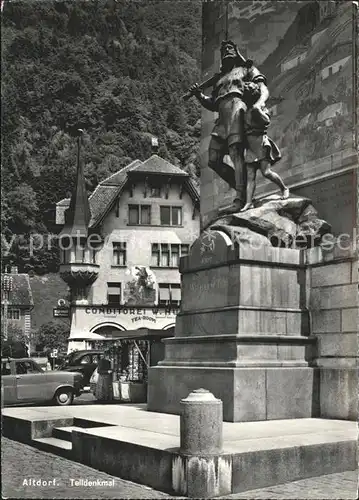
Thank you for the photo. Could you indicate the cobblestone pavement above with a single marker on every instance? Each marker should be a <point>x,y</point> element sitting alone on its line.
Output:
<point>21,462</point>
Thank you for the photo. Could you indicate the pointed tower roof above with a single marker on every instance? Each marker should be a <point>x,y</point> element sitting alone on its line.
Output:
<point>78,215</point>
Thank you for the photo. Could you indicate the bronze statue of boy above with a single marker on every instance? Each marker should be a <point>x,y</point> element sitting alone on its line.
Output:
<point>239,97</point>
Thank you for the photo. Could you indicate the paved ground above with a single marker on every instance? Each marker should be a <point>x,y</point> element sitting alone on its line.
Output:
<point>135,424</point>
<point>21,462</point>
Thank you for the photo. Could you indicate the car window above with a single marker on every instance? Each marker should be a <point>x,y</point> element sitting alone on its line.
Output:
<point>21,368</point>
<point>33,367</point>
<point>86,360</point>
<point>5,368</point>
<point>95,358</point>
<point>24,367</point>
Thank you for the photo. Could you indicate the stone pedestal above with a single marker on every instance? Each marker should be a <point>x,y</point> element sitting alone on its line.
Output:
<point>242,334</point>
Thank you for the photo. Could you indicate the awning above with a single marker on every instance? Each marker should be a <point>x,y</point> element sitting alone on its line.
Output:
<point>176,292</point>
<point>164,293</point>
<point>86,336</point>
<point>141,334</point>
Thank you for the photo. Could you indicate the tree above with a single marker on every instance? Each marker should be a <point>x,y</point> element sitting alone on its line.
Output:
<point>16,344</point>
<point>117,72</point>
<point>51,336</point>
<point>23,208</point>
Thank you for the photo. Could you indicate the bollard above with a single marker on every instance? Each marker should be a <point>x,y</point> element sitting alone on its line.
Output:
<point>201,424</point>
<point>201,470</point>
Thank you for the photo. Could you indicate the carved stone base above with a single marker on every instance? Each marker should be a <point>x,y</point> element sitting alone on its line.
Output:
<point>242,333</point>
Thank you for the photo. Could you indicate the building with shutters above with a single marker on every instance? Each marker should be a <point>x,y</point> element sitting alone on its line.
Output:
<point>120,252</point>
<point>17,311</point>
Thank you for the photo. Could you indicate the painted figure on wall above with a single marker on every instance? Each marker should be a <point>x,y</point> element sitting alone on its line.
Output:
<point>239,97</point>
<point>141,290</point>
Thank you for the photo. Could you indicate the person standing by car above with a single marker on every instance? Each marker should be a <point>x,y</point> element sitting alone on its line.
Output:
<point>104,388</point>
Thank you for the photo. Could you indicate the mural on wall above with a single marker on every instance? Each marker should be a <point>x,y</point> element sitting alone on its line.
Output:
<point>305,49</point>
<point>141,289</point>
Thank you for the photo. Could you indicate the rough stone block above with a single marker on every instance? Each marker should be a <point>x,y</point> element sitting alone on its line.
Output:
<point>339,393</point>
<point>168,385</point>
<point>243,321</point>
<point>205,289</point>
<point>312,255</point>
<point>355,273</point>
<point>210,323</point>
<point>267,286</point>
<point>350,320</point>
<point>257,352</point>
<point>259,321</point>
<point>270,254</point>
<point>334,297</point>
<point>249,394</point>
<point>334,274</point>
<point>292,352</point>
<point>111,456</point>
<point>195,350</point>
<point>337,362</point>
<point>254,470</point>
<point>291,393</point>
<point>337,344</point>
<point>297,323</point>
<point>326,321</point>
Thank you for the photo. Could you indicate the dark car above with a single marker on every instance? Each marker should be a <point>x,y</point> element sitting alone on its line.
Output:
<point>23,381</point>
<point>84,362</point>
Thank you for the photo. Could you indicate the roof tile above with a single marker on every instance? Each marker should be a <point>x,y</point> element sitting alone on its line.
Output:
<point>20,294</point>
<point>157,165</point>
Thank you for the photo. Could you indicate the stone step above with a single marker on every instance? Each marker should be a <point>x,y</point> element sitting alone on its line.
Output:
<point>65,433</point>
<point>54,445</point>
<point>88,424</point>
<point>143,446</point>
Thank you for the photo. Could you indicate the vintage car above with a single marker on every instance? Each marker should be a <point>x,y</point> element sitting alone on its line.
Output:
<point>84,362</point>
<point>23,381</point>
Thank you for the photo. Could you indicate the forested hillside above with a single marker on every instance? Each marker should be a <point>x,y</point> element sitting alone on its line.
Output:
<point>116,69</point>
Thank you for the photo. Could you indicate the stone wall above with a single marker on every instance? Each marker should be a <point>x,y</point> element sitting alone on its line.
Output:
<point>333,302</point>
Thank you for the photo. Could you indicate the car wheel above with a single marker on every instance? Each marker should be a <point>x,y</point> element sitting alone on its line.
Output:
<point>64,397</point>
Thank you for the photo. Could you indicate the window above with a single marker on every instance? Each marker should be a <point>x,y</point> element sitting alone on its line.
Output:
<point>13,314</point>
<point>155,190</point>
<point>113,293</point>
<point>119,253</point>
<point>85,360</point>
<point>165,213</point>
<point>171,216</point>
<point>24,367</point>
<point>184,250</point>
<point>167,255</point>
<point>169,293</point>
<point>174,255</point>
<point>155,255</point>
<point>79,293</point>
<point>80,253</point>
<point>93,255</point>
<point>139,214</point>
<point>5,368</point>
